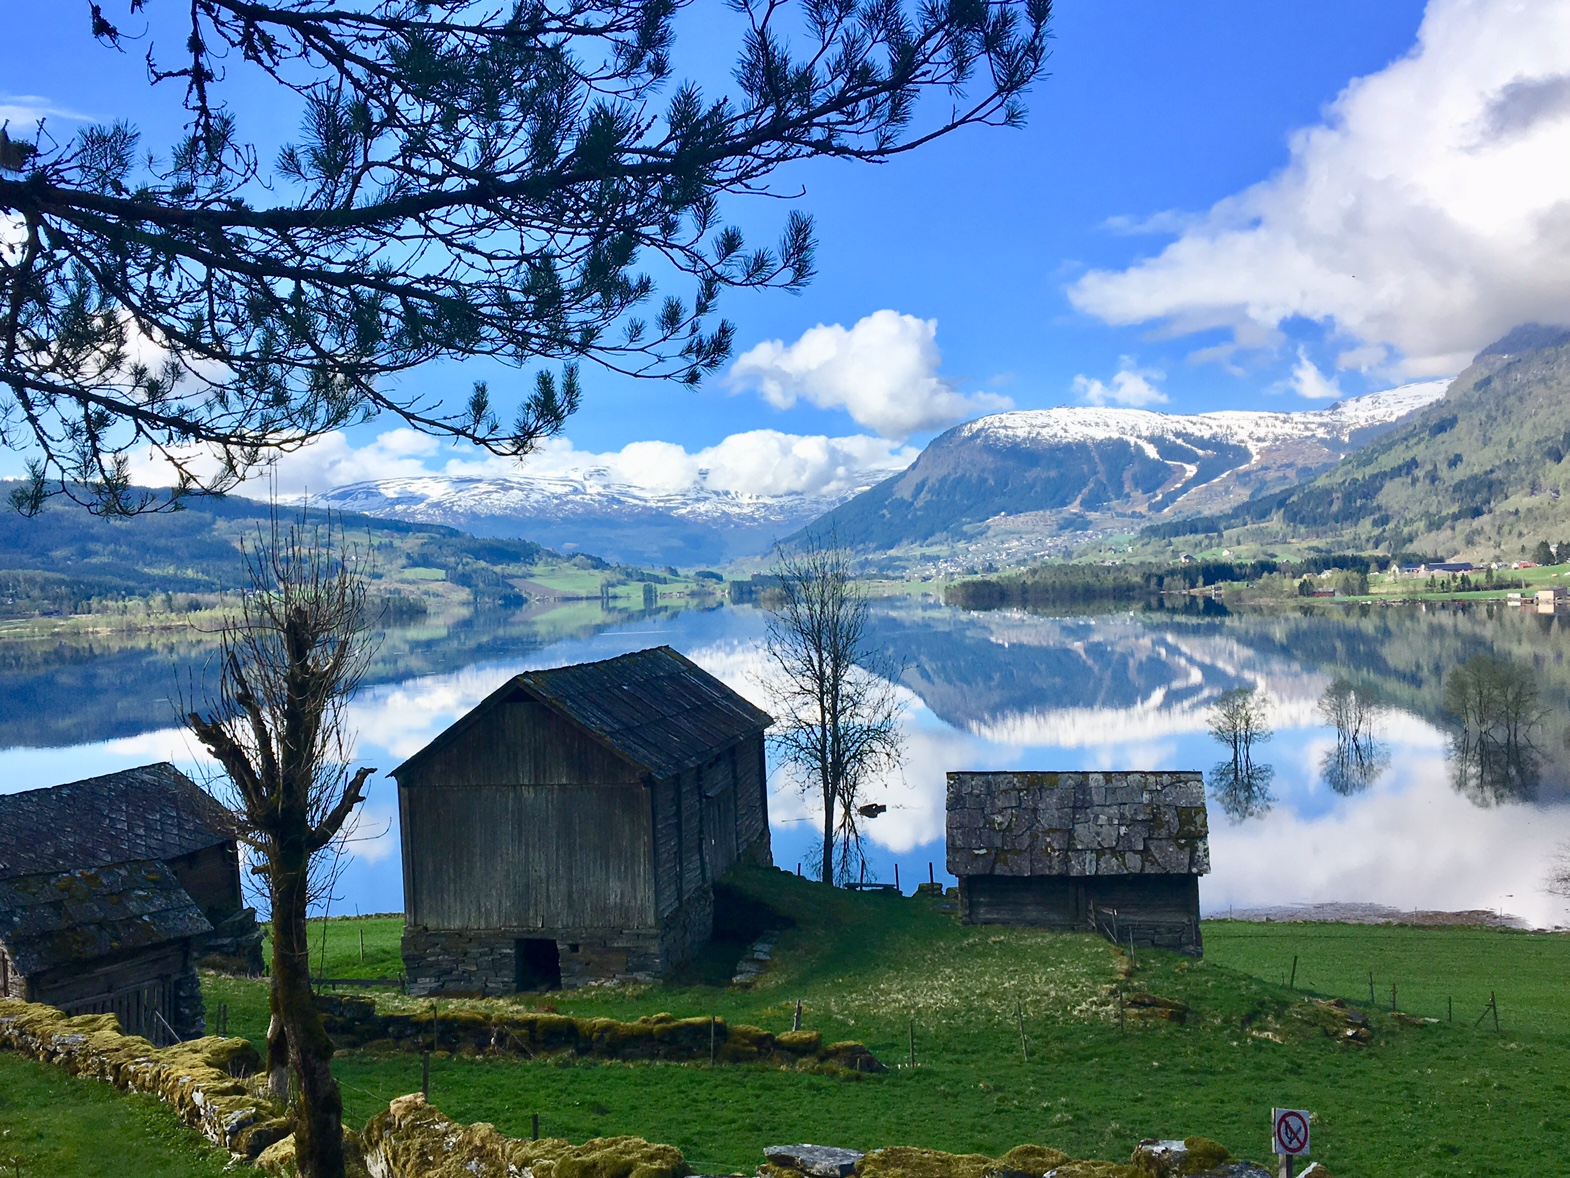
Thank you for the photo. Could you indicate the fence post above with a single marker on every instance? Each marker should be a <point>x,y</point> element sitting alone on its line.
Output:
<point>1024,1044</point>
<point>913,1041</point>
<point>1292,985</point>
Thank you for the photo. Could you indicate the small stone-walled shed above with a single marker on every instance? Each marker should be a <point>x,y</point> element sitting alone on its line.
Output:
<point>570,828</point>
<point>111,889</point>
<point>1117,852</point>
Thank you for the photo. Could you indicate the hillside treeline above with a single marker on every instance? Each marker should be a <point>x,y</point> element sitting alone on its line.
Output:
<point>1077,584</point>
<point>67,561</point>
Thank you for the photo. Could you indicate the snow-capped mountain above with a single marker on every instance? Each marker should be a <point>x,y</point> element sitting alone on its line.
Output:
<point>1040,472</point>
<point>1067,461</point>
<point>592,511</point>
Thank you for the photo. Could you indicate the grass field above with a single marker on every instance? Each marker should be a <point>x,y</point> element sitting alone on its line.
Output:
<point>1439,1099</point>
<point>53,1125</point>
<point>1436,1098</point>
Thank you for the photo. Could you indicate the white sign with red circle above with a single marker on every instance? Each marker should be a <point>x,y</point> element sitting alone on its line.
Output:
<point>1289,1129</point>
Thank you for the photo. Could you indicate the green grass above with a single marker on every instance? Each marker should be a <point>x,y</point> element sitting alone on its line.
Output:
<point>1435,970</point>
<point>53,1125</point>
<point>1441,1099</point>
<point>1428,1099</point>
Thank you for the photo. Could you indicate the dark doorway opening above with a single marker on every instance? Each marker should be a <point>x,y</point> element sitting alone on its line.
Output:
<point>538,965</point>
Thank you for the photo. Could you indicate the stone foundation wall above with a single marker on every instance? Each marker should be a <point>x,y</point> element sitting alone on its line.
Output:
<point>205,1081</point>
<point>485,961</point>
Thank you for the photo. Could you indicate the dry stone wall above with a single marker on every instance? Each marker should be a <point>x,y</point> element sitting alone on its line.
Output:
<point>206,1081</point>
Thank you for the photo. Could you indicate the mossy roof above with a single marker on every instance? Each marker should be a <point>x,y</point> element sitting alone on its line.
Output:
<point>150,812</point>
<point>56,919</point>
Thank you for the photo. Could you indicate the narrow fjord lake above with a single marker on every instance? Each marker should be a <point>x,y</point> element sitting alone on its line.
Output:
<point>1410,825</point>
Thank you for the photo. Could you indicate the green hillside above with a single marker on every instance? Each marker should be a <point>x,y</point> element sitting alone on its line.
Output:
<point>66,561</point>
<point>1481,474</point>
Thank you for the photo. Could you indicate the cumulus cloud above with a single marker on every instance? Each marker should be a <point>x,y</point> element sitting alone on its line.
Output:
<point>1129,387</point>
<point>757,462</point>
<point>1308,381</point>
<point>1428,212</point>
<point>883,372</point>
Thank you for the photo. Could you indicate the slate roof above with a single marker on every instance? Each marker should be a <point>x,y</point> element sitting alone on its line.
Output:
<point>1077,824</point>
<point>655,708</point>
<point>151,812</point>
<point>63,918</point>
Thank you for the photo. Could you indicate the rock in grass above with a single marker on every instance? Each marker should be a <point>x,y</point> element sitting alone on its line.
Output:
<point>819,1161</point>
<point>1023,1161</point>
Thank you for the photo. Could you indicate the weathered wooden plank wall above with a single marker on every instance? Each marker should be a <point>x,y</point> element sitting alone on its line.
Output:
<point>528,856</point>
<point>522,742</point>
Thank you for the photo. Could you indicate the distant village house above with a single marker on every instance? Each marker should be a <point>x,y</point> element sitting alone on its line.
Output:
<point>112,889</point>
<point>570,828</point>
<point>1120,853</point>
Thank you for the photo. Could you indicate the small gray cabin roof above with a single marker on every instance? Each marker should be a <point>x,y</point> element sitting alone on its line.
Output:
<point>1077,824</point>
<point>655,708</point>
<point>57,919</point>
<point>150,812</point>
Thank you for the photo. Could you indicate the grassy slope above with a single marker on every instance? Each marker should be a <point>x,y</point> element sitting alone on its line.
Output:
<point>1479,473</point>
<point>53,1125</point>
<point>1439,1099</point>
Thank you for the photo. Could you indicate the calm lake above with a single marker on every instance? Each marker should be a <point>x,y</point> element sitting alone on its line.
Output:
<point>998,690</point>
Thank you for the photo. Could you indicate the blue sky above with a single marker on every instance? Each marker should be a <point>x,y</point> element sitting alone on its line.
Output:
<point>1225,205</point>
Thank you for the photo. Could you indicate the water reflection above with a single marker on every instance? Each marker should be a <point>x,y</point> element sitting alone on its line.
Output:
<point>1359,811</point>
<point>1495,710</point>
<point>1359,756</point>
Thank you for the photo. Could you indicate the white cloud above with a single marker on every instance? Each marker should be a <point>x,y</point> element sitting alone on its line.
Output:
<point>883,372</point>
<point>1429,211</point>
<point>757,462</point>
<point>23,111</point>
<point>1130,387</point>
<point>1308,381</point>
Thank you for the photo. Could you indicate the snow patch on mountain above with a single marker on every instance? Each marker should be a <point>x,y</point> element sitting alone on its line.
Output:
<point>1252,429</point>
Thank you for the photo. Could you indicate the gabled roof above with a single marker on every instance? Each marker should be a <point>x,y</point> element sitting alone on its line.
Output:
<point>151,812</point>
<point>1077,824</point>
<point>62,918</point>
<point>654,708</point>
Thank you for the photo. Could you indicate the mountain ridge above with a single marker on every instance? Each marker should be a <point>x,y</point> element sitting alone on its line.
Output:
<point>1066,474</point>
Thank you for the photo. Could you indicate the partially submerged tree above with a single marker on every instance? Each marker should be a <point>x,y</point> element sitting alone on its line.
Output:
<point>472,180</point>
<point>1494,709</point>
<point>276,725</point>
<point>1359,757</point>
<point>839,710</point>
<point>1239,720</point>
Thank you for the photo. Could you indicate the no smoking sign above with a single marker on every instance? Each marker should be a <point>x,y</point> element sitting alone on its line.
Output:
<point>1289,1128</point>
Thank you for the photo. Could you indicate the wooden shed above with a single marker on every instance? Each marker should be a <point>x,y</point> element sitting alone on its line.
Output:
<point>111,888</point>
<point>569,829</point>
<point>1118,852</point>
<point>120,939</point>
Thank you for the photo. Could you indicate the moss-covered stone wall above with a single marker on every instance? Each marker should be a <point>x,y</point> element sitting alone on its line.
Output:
<point>208,1082</point>
<point>353,1021</point>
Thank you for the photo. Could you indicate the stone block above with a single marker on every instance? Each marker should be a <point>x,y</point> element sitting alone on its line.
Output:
<point>818,1161</point>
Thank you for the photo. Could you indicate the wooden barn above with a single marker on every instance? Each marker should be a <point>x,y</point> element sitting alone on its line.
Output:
<point>1119,853</point>
<point>570,828</point>
<point>111,889</point>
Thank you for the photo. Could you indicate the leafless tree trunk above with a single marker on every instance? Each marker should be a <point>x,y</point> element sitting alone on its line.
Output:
<point>1239,720</point>
<point>288,665</point>
<point>836,698</point>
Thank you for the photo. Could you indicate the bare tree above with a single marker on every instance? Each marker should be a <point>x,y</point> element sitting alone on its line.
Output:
<point>1359,756</point>
<point>835,695</point>
<point>288,665</point>
<point>1239,720</point>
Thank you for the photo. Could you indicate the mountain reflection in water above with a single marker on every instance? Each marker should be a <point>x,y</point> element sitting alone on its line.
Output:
<point>1397,816</point>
